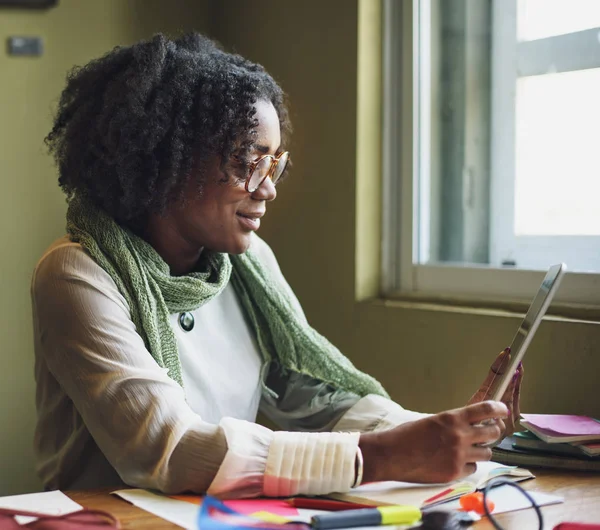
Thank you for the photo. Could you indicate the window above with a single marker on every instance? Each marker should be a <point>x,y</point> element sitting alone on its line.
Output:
<point>495,107</point>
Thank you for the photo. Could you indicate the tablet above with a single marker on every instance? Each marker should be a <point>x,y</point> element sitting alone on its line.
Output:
<point>529,326</point>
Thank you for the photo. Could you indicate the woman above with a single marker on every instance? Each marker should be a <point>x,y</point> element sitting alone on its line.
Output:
<point>162,322</point>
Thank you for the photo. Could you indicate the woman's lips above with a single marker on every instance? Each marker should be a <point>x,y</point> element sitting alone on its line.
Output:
<point>250,221</point>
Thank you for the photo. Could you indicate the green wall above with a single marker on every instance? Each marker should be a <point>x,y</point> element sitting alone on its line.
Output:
<point>32,207</point>
<point>428,357</point>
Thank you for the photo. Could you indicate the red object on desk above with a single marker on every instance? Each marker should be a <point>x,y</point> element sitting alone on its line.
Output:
<point>473,502</point>
<point>312,503</point>
<point>577,526</point>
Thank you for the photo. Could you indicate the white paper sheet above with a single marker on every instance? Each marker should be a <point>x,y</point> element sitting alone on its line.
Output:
<point>509,499</point>
<point>47,502</point>
<point>177,512</point>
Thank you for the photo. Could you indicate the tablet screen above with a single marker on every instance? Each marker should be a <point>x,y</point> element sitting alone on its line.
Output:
<point>530,323</point>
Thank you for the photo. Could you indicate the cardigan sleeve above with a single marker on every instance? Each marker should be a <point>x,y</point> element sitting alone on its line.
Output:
<point>307,404</point>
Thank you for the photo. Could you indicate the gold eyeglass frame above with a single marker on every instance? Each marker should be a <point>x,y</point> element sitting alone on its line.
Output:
<point>274,164</point>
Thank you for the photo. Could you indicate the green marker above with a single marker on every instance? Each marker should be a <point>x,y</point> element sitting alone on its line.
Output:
<point>397,515</point>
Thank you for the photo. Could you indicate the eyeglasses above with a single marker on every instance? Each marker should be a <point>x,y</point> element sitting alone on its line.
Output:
<point>266,166</point>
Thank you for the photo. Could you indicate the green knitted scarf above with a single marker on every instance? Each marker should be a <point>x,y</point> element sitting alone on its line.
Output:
<point>144,279</point>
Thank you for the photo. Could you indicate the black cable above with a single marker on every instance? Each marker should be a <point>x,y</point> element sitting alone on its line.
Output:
<point>501,482</point>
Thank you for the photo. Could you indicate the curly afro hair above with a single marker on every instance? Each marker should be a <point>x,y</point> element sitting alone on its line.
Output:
<point>134,125</point>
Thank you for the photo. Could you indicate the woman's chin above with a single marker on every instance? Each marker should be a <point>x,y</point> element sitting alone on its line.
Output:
<point>239,245</point>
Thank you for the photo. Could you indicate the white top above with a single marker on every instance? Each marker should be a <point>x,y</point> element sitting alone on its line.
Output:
<point>108,413</point>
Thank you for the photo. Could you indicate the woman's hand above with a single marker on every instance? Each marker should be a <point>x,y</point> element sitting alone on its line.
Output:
<point>440,448</point>
<point>511,396</point>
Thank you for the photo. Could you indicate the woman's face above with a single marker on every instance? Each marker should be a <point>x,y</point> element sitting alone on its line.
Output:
<point>223,216</point>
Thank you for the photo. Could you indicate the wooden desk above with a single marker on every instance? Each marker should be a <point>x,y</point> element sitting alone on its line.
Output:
<point>581,492</point>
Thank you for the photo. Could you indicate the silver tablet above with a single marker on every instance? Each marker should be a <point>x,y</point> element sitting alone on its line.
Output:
<point>529,326</point>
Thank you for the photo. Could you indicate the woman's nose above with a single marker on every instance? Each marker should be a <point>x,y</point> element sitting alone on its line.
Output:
<point>266,191</point>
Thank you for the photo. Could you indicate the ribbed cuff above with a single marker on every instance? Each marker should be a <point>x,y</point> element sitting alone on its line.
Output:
<point>242,471</point>
<point>310,463</point>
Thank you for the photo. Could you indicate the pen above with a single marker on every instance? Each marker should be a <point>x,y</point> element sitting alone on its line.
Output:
<point>367,517</point>
<point>316,503</point>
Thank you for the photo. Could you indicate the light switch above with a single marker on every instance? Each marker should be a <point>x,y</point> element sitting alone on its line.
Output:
<point>25,46</point>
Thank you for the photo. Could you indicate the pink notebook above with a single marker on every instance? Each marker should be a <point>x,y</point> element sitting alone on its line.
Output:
<point>562,427</point>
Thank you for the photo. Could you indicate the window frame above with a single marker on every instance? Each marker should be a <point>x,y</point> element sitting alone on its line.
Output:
<point>403,277</point>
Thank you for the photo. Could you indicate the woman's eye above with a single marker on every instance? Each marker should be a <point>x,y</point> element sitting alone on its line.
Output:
<point>239,167</point>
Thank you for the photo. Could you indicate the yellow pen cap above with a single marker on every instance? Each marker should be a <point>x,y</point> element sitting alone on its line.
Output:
<point>399,514</point>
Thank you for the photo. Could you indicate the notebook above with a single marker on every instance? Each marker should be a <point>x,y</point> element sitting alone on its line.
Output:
<point>505,453</point>
<point>590,449</point>
<point>562,428</point>
<point>528,441</point>
<point>426,495</point>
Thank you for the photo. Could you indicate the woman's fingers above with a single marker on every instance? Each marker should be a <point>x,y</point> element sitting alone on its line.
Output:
<point>487,432</point>
<point>514,387</point>
<point>516,408</point>
<point>498,368</point>
<point>485,410</point>
<point>511,398</point>
<point>479,454</point>
<point>514,405</point>
<point>470,468</point>
<point>501,363</point>
<point>508,400</point>
<point>502,425</point>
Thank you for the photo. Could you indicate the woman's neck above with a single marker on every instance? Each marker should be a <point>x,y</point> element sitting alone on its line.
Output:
<point>178,253</point>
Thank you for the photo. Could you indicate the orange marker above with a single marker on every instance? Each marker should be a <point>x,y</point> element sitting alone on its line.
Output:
<point>473,502</point>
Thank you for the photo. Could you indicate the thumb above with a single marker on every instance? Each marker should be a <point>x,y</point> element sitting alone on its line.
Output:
<point>501,362</point>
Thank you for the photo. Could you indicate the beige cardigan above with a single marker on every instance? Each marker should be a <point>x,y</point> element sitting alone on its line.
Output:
<point>107,413</point>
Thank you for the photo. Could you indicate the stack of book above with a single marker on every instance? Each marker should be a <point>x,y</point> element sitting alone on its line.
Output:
<point>553,440</point>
